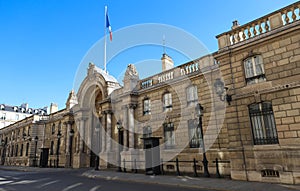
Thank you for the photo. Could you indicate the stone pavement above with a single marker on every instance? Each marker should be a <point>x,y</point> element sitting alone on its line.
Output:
<point>220,184</point>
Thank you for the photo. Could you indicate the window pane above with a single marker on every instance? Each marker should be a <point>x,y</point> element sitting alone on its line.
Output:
<point>249,68</point>
<point>263,123</point>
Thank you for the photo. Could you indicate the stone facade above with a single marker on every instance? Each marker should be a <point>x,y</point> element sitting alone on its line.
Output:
<point>249,89</point>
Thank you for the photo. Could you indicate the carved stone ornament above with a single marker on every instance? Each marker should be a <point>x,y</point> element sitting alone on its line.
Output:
<point>131,71</point>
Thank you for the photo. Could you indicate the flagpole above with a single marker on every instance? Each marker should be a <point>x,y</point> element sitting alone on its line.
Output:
<point>105,12</point>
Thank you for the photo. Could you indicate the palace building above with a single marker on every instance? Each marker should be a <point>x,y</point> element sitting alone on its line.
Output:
<point>240,105</point>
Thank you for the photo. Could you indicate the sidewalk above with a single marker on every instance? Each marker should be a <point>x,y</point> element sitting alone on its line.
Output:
<point>192,182</point>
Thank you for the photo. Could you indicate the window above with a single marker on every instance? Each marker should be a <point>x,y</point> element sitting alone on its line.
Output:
<point>3,116</point>
<point>21,150</point>
<point>27,149</point>
<point>147,132</point>
<point>12,151</point>
<point>167,102</point>
<point>59,127</point>
<point>254,70</point>
<point>52,148</point>
<point>169,135</point>
<point>263,124</point>
<point>191,94</point>
<point>147,107</point>
<point>17,150</point>
<point>194,134</point>
<point>28,131</point>
<point>53,129</point>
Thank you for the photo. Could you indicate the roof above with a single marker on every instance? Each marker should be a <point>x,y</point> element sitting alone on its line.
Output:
<point>106,76</point>
<point>23,109</point>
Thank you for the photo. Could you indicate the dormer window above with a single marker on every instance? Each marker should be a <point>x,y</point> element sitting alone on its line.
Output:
<point>254,69</point>
<point>15,109</point>
<point>30,111</point>
<point>2,107</point>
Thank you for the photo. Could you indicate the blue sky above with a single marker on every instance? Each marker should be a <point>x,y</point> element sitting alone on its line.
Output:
<point>43,42</point>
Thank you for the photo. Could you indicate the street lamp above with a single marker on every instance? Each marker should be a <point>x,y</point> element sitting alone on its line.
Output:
<point>199,111</point>
<point>221,89</point>
<point>57,150</point>
<point>36,138</point>
<point>119,127</point>
<point>71,142</point>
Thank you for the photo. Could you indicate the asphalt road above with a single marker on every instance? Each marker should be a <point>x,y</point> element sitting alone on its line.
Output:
<point>71,180</point>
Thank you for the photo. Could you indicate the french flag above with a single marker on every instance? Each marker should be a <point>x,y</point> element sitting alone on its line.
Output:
<point>108,25</point>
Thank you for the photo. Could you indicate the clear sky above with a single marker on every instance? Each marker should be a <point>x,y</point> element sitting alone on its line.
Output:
<point>42,42</point>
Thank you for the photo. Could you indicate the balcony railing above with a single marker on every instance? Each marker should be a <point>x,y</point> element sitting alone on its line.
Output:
<point>279,18</point>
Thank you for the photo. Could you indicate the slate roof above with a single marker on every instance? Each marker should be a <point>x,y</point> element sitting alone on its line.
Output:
<point>23,109</point>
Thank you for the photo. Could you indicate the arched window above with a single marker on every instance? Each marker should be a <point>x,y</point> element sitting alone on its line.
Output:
<point>254,69</point>
<point>263,123</point>
<point>167,102</point>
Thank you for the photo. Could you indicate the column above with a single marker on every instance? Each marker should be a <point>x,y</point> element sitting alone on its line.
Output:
<point>103,143</point>
<point>81,136</point>
<point>77,136</point>
<point>67,140</point>
<point>108,130</point>
<point>131,125</point>
<point>125,125</point>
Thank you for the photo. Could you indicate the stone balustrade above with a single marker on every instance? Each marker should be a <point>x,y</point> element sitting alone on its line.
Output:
<point>277,19</point>
<point>197,66</point>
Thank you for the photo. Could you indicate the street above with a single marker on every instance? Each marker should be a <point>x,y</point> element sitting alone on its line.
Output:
<point>70,180</point>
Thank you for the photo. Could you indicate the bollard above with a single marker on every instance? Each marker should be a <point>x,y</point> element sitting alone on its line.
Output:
<point>162,167</point>
<point>124,162</point>
<point>217,169</point>
<point>195,168</point>
<point>177,167</point>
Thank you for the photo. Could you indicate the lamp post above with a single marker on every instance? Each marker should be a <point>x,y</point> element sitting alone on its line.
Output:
<point>57,150</point>
<point>70,149</point>
<point>199,111</point>
<point>36,138</point>
<point>119,127</point>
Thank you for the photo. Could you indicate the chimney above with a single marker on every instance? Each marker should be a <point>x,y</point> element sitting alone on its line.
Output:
<point>235,24</point>
<point>167,62</point>
<point>53,108</point>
